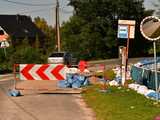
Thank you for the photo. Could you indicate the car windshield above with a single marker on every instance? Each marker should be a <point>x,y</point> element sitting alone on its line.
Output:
<point>57,55</point>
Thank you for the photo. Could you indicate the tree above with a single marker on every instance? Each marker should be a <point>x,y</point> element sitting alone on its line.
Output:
<point>93,28</point>
<point>157,5</point>
<point>49,32</point>
<point>24,52</point>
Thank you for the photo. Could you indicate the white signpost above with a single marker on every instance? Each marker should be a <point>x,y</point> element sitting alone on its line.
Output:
<point>126,30</point>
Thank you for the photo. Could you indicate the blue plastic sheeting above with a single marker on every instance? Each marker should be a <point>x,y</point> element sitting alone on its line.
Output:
<point>73,81</point>
<point>118,79</point>
<point>136,74</point>
<point>154,95</point>
<point>144,77</point>
<point>14,93</point>
<point>63,84</point>
<point>149,61</point>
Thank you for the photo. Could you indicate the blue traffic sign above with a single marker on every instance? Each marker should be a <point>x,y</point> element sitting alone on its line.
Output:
<point>122,31</point>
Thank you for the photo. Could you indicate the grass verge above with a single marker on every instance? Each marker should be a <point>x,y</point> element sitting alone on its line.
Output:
<point>120,104</point>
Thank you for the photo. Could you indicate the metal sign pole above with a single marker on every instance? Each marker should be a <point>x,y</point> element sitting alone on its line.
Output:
<point>126,30</point>
<point>5,53</point>
<point>126,67</point>
<point>155,67</point>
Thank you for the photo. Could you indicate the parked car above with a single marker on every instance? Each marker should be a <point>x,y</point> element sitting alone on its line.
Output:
<point>60,58</point>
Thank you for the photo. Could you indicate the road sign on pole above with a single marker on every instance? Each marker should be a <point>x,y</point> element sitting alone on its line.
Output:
<point>149,28</point>
<point>122,31</point>
<point>4,44</point>
<point>124,26</point>
<point>126,29</point>
<point>3,35</point>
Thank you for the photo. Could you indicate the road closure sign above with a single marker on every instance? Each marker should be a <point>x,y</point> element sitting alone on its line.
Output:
<point>126,29</point>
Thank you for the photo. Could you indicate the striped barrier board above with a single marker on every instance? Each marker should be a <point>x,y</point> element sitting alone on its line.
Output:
<point>42,72</point>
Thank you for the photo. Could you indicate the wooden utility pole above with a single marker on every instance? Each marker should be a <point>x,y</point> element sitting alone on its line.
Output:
<point>58,40</point>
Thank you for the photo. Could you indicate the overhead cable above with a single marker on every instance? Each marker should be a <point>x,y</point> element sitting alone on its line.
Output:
<point>65,11</point>
<point>28,4</point>
<point>38,10</point>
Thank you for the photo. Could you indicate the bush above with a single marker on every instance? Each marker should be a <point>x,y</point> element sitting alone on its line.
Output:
<point>22,54</point>
<point>107,74</point>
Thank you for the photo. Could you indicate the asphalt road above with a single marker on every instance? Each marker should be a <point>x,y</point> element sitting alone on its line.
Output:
<point>37,106</point>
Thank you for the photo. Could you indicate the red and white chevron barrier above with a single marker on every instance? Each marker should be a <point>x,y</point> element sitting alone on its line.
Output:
<point>42,72</point>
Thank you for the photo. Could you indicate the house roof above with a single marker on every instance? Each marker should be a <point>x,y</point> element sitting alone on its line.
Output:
<point>20,26</point>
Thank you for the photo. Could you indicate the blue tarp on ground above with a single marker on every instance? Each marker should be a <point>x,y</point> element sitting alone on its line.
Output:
<point>73,81</point>
<point>154,95</point>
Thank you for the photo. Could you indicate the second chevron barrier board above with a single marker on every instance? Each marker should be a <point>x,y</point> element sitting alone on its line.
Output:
<point>42,72</point>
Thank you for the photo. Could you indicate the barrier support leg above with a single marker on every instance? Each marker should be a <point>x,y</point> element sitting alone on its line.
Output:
<point>14,92</point>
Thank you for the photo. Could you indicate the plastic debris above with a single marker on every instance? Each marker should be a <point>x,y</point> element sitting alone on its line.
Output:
<point>72,70</point>
<point>118,71</point>
<point>154,95</point>
<point>14,93</point>
<point>142,90</point>
<point>133,86</point>
<point>63,84</point>
<point>73,81</point>
<point>76,84</point>
<point>149,91</point>
<point>113,83</point>
<point>148,63</point>
<point>82,65</point>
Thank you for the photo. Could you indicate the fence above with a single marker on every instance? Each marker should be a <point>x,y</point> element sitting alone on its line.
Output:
<point>144,76</point>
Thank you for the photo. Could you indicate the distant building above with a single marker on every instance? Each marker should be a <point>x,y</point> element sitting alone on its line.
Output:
<point>20,27</point>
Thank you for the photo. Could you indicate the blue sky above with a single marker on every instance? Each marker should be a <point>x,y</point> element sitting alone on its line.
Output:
<point>47,12</point>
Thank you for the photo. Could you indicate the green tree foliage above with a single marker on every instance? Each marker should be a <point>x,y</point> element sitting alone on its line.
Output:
<point>92,31</point>
<point>20,54</point>
<point>27,51</point>
<point>157,5</point>
<point>49,32</point>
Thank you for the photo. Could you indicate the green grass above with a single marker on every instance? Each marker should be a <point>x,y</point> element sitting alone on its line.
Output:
<point>120,104</point>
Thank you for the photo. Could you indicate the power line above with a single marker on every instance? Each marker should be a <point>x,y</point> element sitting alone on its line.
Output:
<point>45,9</point>
<point>38,10</point>
<point>28,4</point>
<point>66,11</point>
